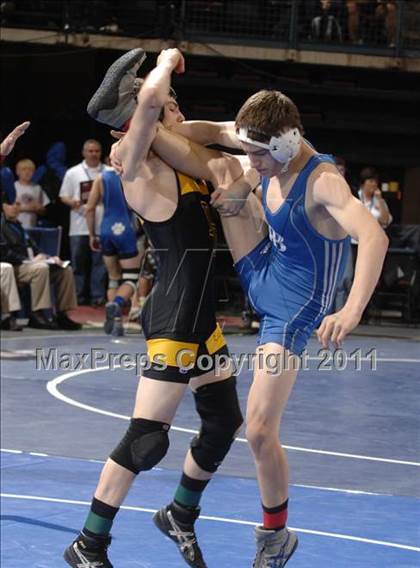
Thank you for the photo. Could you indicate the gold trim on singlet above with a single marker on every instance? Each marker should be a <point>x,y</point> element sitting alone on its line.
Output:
<point>216,340</point>
<point>182,353</point>
<point>189,185</point>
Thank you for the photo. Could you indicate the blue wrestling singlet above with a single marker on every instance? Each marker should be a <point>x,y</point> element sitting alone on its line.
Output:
<point>291,275</point>
<point>118,237</point>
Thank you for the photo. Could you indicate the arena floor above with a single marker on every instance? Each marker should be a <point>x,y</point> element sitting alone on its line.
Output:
<point>352,437</point>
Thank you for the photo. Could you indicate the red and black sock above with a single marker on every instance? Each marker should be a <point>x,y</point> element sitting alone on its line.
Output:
<point>275,518</point>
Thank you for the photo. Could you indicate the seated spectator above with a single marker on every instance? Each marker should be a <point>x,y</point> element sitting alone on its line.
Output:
<point>389,11</point>
<point>40,271</point>
<point>372,21</point>
<point>31,197</point>
<point>371,196</point>
<point>10,301</point>
<point>325,26</point>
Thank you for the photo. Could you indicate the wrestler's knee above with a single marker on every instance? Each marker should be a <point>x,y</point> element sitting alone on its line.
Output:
<point>261,435</point>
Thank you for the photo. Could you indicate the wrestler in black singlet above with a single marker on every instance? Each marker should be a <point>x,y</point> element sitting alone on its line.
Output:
<point>179,313</point>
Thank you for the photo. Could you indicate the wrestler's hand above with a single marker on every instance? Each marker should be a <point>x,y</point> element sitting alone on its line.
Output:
<point>229,200</point>
<point>8,143</point>
<point>94,243</point>
<point>336,326</point>
<point>174,57</point>
<point>114,159</point>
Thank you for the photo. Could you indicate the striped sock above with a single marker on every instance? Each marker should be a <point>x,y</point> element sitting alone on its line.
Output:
<point>100,518</point>
<point>275,518</point>
<point>189,491</point>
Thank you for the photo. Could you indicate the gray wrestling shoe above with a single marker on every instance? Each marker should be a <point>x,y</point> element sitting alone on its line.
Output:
<point>274,548</point>
<point>114,102</point>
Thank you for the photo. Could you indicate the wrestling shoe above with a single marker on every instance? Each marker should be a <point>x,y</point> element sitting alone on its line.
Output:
<point>113,320</point>
<point>182,533</point>
<point>87,552</point>
<point>114,102</point>
<point>274,548</point>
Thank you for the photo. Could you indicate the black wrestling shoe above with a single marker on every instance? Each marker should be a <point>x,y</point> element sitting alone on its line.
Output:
<point>88,552</point>
<point>114,102</point>
<point>113,320</point>
<point>182,533</point>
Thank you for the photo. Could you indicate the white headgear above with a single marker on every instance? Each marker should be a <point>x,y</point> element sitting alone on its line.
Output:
<point>283,148</point>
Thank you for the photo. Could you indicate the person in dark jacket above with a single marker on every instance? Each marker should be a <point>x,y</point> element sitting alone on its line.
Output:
<point>39,271</point>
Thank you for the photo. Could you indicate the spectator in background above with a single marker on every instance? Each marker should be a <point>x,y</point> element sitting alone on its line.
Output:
<point>40,271</point>
<point>7,145</point>
<point>7,187</point>
<point>89,269</point>
<point>10,301</point>
<point>371,196</point>
<point>325,26</point>
<point>31,197</point>
<point>389,11</point>
<point>372,21</point>
<point>344,285</point>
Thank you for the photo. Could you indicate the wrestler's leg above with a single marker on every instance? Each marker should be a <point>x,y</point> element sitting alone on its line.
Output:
<point>218,407</point>
<point>129,276</point>
<point>267,400</point>
<point>243,232</point>
<point>143,446</point>
<point>113,269</point>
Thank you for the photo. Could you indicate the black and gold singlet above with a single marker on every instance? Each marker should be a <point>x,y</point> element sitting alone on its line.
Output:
<point>181,305</point>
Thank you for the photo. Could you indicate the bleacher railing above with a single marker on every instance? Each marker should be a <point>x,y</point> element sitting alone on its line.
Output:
<point>383,27</point>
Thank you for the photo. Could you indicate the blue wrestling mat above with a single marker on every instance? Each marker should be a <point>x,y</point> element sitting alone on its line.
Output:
<point>352,440</point>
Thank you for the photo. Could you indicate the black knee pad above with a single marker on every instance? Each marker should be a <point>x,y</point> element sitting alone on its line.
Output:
<point>144,445</point>
<point>220,413</point>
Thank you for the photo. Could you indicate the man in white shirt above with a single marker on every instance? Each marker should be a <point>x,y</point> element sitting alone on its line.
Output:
<point>88,267</point>
<point>31,197</point>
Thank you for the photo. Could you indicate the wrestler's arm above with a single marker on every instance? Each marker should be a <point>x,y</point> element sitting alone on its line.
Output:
<point>231,197</point>
<point>206,132</point>
<point>90,209</point>
<point>7,145</point>
<point>332,191</point>
<point>134,147</point>
<point>196,160</point>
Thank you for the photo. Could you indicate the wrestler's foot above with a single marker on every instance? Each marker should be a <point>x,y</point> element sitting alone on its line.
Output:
<point>114,102</point>
<point>170,520</point>
<point>274,548</point>
<point>88,552</point>
<point>113,320</point>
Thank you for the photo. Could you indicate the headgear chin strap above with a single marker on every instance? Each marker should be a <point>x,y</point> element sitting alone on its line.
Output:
<point>283,148</point>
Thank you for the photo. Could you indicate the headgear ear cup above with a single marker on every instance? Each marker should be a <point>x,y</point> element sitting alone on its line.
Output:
<point>283,148</point>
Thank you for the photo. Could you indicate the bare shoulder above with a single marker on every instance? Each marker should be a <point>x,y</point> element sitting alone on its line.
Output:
<point>328,186</point>
<point>153,192</point>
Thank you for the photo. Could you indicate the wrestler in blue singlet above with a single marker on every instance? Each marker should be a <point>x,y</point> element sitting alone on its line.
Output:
<point>291,276</point>
<point>118,237</point>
